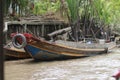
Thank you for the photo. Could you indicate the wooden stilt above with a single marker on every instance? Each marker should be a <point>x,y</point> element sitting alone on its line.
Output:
<point>43,29</point>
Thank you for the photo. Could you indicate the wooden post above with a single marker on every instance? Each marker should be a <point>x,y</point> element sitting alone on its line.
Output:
<point>25,28</point>
<point>43,30</point>
<point>1,42</point>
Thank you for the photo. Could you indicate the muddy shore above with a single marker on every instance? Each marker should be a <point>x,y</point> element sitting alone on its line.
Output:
<point>100,67</point>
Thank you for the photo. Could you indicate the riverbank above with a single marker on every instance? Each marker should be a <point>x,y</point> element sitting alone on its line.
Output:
<point>100,67</point>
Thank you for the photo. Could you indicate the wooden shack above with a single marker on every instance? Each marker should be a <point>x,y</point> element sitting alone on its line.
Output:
<point>35,27</point>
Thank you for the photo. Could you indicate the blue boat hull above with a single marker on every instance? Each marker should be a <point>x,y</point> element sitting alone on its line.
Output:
<point>39,54</point>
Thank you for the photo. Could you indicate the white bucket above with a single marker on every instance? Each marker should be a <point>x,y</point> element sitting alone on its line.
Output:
<point>102,41</point>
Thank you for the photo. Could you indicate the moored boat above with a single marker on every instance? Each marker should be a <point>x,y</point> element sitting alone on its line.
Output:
<point>44,50</point>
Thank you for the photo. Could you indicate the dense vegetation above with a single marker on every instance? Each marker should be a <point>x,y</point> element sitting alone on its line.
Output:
<point>105,12</point>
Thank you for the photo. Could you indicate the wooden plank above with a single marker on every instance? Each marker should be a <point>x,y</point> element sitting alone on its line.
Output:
<point>35,23</point>
<point>59,31</point>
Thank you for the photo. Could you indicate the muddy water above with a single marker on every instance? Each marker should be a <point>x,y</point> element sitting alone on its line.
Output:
<point>100,67</point>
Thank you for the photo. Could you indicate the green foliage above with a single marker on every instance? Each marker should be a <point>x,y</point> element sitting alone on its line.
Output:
<point>44,6</point>
<point>106,12</point>
<point>73,7</point>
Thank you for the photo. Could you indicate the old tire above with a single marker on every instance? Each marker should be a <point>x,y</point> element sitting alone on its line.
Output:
<point>15,42</point>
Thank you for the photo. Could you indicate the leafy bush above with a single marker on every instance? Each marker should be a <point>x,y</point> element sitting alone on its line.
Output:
<point>44,6</point>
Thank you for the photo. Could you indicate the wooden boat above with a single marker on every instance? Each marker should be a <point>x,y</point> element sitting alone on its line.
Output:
<point>45,50</point>
<point>12,52</point>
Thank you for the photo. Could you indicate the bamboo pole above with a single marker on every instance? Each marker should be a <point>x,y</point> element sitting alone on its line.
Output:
<point>1,42</point>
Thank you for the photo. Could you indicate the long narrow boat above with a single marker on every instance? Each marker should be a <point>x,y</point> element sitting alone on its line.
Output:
<point>45,50</point>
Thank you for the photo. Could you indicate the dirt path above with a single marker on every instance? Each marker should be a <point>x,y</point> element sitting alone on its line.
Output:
<point>100,67</point>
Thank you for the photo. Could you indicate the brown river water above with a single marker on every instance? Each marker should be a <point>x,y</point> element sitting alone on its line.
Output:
<point>99,67</point>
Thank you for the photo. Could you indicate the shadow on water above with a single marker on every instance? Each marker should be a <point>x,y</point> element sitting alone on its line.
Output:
<point>62,59</point>
<point>13,58</point>
<point>32,61</point>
